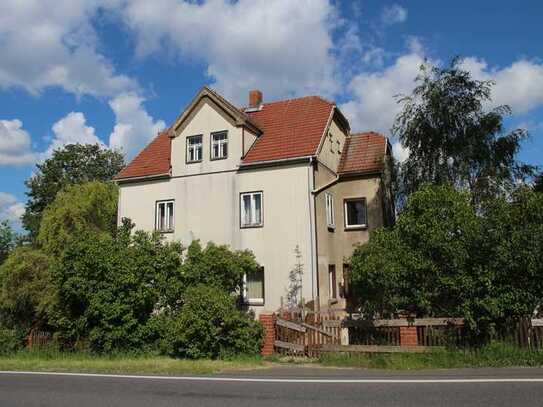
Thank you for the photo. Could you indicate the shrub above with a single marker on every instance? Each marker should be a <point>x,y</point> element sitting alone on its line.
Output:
<point>208,325</point>
<point>11,341</point>
<point>26,290</point>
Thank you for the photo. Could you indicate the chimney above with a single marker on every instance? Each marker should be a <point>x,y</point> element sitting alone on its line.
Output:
<point>255,99</point>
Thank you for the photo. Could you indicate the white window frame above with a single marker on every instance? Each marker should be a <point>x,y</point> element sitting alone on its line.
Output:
<point>253,223</point>
<point>254,301</point>
<point>221,143</point>
<point>169,217</point>
<point>345,214</point>
<point>332,282</point>
<point>329,204</point>
<point>195,148</point>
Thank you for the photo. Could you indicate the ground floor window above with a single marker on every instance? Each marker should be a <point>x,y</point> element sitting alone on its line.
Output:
<point>253,292</point>
<point>164,216</point>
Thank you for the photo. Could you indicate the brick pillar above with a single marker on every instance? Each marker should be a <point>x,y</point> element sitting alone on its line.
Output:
<point>268,322</point>
<point>408,336</point>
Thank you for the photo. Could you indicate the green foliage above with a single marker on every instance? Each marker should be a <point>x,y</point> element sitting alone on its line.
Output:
<point>73,164</point>
<point>109,287</point>
<point>11,341</point>
<point>85,209</point>
<point>444,259</point>
<point>295,275</point>
<point>26,289</point>
<point>208,325</point>
<point>7,240</point>
<point>538,184</point>
<point>452,138</point>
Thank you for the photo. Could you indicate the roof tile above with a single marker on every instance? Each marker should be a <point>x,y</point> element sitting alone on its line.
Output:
<point>363,153</point>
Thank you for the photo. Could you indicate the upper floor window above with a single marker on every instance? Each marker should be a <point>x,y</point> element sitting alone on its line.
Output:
<point>330,219</point>
<point>251,209</point>
<point>219,145</point>
<point>164,216</point>
<point>355,213</point>
<point>194,149</point>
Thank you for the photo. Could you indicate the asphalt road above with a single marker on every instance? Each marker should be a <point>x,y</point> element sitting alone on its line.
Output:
<point>281,387</point>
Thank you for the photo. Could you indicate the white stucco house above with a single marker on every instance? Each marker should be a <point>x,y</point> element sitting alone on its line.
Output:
<point>268,177</point>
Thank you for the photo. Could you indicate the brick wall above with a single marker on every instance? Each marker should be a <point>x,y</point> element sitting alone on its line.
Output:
<point>268,322</point>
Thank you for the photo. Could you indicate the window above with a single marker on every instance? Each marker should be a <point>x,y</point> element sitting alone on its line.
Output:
<point>219,145</point>
<point>330,220</point>
<point>194,149</point>
<point>332,285</point>
<point>355,213</point>
<point>164,219</point>
<point>251,209</point>
<point>253,287</point>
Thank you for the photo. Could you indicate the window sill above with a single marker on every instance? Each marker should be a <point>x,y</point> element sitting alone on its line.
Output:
<point>194,162</point>
<point>218,158</point>
<point>255,302</point>
<point>332,301</point>
<point>357,227</point>
<point>163,232</point>
<point>331,228</point>
<point>251,226</point>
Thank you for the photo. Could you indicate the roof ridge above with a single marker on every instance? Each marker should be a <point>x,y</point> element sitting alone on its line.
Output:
<point>291,100</point>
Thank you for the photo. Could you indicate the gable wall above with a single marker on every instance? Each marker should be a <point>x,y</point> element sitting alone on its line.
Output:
<point>330,152</point>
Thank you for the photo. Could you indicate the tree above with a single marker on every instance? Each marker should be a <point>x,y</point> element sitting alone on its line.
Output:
<point>452,138</point>
<point>80,210</point>
<point>7,240</point>
<point>26,289</point>
<point>538,184</point>
<point>73,164</point>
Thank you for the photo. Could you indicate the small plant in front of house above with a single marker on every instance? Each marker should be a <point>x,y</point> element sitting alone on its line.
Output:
<point>294,291</point>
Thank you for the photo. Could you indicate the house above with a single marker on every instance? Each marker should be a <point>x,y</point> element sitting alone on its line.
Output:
<point>270,177</point>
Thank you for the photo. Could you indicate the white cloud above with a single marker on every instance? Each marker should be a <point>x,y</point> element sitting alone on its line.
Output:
<point>72,129</point>
<point>15,144</point>
<point>52,43</point>
<point>393,14</point>
<point>282,47</point>
<point>10,208</point>
<point>374,106</point>
<point>519,85</point>
<point>134,127</point>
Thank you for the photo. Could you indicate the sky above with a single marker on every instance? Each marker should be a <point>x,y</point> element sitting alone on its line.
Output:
<point>118,71</point>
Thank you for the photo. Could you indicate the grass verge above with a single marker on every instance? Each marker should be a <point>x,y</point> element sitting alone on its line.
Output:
<point>493,355</point>
<point>122,364</point>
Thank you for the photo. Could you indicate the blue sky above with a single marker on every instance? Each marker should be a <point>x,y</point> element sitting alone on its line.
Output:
<point>118,71</point>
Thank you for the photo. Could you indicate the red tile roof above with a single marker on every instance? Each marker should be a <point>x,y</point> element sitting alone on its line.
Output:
<point>154,159</point>
<point>363,153</point>
<point>291,128</point>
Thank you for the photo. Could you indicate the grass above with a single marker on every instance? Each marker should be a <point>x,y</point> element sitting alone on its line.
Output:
<point>493,355</point>
<point>47,360</point>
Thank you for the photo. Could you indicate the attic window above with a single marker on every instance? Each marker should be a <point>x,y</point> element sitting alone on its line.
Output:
<point>194,149</point>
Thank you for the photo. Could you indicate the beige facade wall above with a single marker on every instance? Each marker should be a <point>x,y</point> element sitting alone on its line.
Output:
<point>207,207</point>
<point>332,146</point>
<point>334,246</point>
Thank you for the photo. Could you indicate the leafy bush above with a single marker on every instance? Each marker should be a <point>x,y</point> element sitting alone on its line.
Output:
<point>77,211</point>
<point>11,341</point>
<point>26,290</point>
<point>7,240</point>
<point>109,287</point>
<point>208,325</point>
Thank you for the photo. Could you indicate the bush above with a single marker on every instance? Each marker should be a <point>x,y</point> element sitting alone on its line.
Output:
<point>26,290</point>
<point>208,325</point>
<point>11,341</point>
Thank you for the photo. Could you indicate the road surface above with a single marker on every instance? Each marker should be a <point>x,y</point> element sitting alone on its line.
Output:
<point>280,387</point>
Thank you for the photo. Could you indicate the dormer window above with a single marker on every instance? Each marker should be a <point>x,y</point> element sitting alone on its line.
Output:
<point>194,149</point>
<point>219,145</point>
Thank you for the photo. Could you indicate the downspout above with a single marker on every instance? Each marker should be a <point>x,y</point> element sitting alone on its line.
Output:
<point>312,229</point>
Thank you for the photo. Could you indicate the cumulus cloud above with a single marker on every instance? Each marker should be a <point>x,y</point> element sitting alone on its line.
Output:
<point>519,85</point>
<point>52,43</point>
<point>134,127</point>
<point>15,144</point>
<point>393,14</point>
<point>283,47</point>
<point>10,208</point>
<point>72,129</point>
<point>400,152</point>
